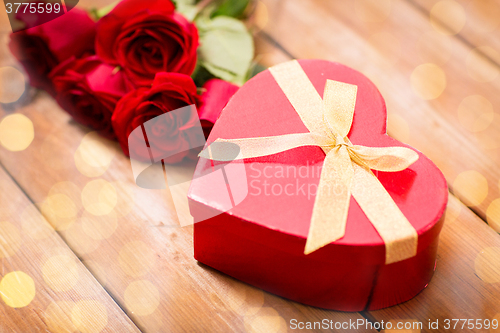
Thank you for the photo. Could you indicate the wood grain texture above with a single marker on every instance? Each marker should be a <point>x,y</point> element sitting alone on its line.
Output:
<point>67,296</point>
<point>144,260</point>
<point>481,27</point>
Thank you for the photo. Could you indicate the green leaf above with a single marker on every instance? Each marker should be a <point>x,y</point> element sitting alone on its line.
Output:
<point>187,8</point>
<point>178,3</point>
<point>233,8</point>
<point>93,14</point>
<point>224,74</point>
<point>201,75</point>
<point>255,69</point>
<point>105,10</point>
<point>226,48</point>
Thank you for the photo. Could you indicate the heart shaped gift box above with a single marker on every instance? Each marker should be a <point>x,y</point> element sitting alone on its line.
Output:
<point>254,225</point>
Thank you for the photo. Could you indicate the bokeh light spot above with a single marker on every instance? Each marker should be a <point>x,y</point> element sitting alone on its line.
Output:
<point>448,17</point>
<point>60,273</point>
<point>12,84</point>
<point>62,205</point>
<point>94,155</point>
<point>99,197</point>
<point>16,132</point>
<point>265,320</point>
<point>471,187</point>
<point>493,215</point>
<point>142,298</point>
<point>17,289</point>
<point>475,113</point>
<point>261,15</point>
<point>428,81</point>
<point>59,210</point>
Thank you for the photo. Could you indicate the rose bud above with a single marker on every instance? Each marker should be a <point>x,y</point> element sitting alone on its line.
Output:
<point>89,90</point>
<point>41,48</point>
<point>170,134</point>
<point>147,37</point>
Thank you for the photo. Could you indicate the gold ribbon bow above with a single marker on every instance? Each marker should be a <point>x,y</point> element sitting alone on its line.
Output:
<point>346,166</point>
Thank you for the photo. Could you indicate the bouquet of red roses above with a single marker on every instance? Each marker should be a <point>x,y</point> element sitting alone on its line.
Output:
<point>115,68</point>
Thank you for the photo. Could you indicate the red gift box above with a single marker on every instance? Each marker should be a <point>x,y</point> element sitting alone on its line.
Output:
<point>261,239</point>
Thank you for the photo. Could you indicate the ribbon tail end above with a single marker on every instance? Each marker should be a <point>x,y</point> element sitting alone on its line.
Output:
<point>204,153</point>
<point>413,157</point>
<point>316,244</point>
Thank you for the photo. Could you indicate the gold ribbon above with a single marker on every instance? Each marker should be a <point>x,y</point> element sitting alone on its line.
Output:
<point>346,166</point>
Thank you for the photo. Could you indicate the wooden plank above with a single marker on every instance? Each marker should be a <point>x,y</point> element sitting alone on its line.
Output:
<point>210,286</point>
<point>476,22</point>
<point>136,250</point>
<point>43,277</point>
<point>388,46</point>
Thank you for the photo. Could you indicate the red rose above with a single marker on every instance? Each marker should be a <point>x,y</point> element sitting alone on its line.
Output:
<point>214,98</point>
<point>145,37</point>
<point>42,48</point>
<point>170,134</point>
<point>89,90</point>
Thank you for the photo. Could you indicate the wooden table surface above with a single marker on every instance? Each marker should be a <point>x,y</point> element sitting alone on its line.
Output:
<point>131,268</point>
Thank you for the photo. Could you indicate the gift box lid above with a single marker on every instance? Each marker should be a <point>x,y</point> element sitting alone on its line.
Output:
<point>281,186</point>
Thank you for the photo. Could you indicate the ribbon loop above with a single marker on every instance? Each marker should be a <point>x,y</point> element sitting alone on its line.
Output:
<point>389,159</point>
<point>339,100</point>
<point>346,168</point>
